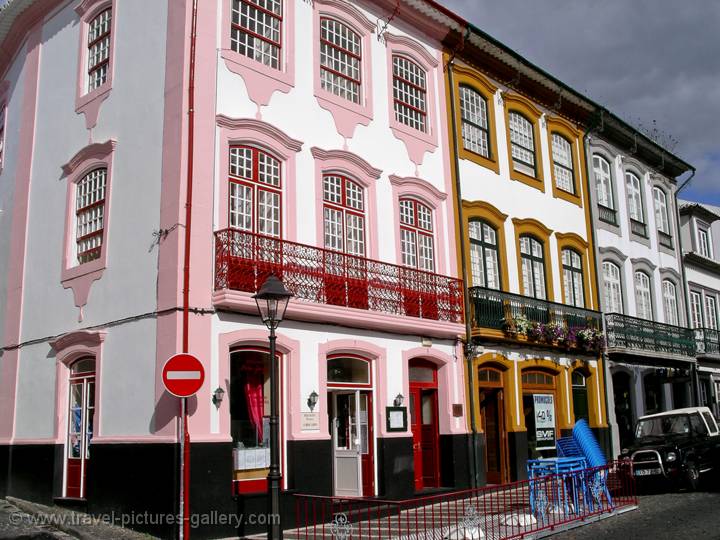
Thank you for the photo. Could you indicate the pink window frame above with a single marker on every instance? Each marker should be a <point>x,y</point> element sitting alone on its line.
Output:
<point>418,230</point>
<point>346,114</point>
<point>346,209</point>
<point>355,168</point>
<point>427,194</point>
<point>262,81</point>
<point>416,142</point>
<point>79,277</point>
<point>256,185</point>
<point>88,103</point>
<point>269,139</point>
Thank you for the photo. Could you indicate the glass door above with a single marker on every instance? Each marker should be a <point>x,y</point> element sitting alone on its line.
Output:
<point>347,443</point>
<point>81,412</point>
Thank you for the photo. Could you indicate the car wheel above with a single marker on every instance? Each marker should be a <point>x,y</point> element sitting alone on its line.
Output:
<point>692,477</point>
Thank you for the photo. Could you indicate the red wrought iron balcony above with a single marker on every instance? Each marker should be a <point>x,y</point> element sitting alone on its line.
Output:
<point>243,260</point>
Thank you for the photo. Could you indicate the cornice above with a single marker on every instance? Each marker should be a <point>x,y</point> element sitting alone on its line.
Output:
<point>80,337</point>
<point>609,250</point>
<point>571,237</point>
<point>349,11</point>
<point>344,155</point>
<point>642,261</point>
<point>94,150</point>
<point>413,45</point>
<point>87,5</point>
<point>418,183</point>
<point>531,223</point>
<point>486,206</point>
<point>251,124</point>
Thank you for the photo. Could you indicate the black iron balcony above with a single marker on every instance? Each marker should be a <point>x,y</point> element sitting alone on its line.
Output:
<point>648,337</point>
<point>707,341</point>
<point>608,215</point>
<point>665,239</point>
<point>638,228</point>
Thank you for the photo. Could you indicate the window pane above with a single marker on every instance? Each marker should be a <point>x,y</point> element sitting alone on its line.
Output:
<point>98,49</point>
<point>670,303</point>
<point>89,215</point>
<point>563,164</point>
<point>421,374</point>
<point>634,197</point>
<point>642,296</point>
<point>333,229</point>
<point>711,312</point>
<point>473,110</point>
<point>348,370</point>
<point>661,215</point>
<point>409,93</point>
<point>255,30</point>
<point>613,289</point>
<point>339,60</point>
<point>522,144</point>
<point>696,309</point>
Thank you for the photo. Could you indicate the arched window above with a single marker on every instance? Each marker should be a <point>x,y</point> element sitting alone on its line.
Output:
<point>711,312</point>
<point>661,210</point>
<point>634,193</point>
<point>603,185</point>
<point>670,303</point>
<point>344,215</point>
<point>488,376</point>
<point>345,370</point>
<point>613,288</point>
<point>99,49</point>
<point>579,395</point>
<point>563,163</point>
<point>81,415</point>
<point>538,379</point>
<point>340,57</point>
<point>256,30</point>
<point>643,296</point>
<point>484,257</point>
<point>533,267</point>
<point>573,278</point>
<point>416,235</point>
<point>475,123</point>
<point>522,141</point>
<point>409,93</point>
<point>255,191</point>
<point>90,215</point>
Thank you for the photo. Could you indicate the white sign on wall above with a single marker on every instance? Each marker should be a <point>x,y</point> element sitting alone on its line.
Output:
<point>544,421</point>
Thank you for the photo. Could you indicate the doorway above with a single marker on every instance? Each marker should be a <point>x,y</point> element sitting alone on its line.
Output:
<point>623,407</point>
<point>424,423</point>
<point>492,422</point>
<point>81,413</point>
<point>541,423</point>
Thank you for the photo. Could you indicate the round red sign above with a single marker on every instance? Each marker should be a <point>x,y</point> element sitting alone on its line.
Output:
<point>183,375</point>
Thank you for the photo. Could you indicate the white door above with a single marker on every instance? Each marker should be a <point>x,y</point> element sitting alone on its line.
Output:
<point>347,469</point>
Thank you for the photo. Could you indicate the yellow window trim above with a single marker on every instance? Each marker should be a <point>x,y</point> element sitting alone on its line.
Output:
<point>474,210</point>
<point>534,228</point>
<point>578,244</point>
<point>510,386</point>
<point>468,77</point>
<point>520,104</point>
<point>565,129</point>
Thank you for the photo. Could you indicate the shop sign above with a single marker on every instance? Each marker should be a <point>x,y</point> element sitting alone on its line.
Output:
<point>310,421</point>
<point>544,421</point>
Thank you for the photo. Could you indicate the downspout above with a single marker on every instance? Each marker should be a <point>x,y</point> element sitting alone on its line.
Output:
<point>686,301</point>
<point>604,355</point>
<point>475,480</point>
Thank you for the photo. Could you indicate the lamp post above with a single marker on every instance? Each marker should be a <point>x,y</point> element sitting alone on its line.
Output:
<point>272,300</point>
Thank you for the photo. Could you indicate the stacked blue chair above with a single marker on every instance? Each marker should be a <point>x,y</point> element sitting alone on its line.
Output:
<point>567,447</point>
<point>597,480</point>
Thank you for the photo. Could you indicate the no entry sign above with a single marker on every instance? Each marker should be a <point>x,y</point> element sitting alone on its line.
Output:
<point>183,375</point>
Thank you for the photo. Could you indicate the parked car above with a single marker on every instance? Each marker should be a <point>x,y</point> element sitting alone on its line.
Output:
<point>677,447</point>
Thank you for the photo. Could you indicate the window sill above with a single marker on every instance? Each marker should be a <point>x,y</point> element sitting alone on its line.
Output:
<point>532,181</point>
<point>416,142</point>
<point>573,198</point>
<point>487,162</point>
<point>80,278</point>
<point>89,103</point>
<point>261,81</point>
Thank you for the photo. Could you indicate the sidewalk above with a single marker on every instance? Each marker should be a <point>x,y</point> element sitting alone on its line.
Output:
<point>23,520</point>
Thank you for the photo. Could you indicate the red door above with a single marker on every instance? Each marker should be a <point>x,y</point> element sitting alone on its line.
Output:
<point>424,424</point>
<point>366,444</point>
<point>81,412</point>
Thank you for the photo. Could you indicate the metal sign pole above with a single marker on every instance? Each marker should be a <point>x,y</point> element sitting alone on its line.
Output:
<point>183,488</point>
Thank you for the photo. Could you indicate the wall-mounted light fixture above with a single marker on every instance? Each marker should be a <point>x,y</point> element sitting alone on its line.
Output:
<point>399,400</point>
<point>218,396</point>
<point>312,400</point>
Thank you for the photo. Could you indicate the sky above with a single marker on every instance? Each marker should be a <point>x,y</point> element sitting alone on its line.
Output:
<point>645,60</point>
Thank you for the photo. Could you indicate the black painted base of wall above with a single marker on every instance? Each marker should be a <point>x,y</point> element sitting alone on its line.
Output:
<point>395,467</point>
<point>31,472</point>
<point>518,450</point>
<point>604,437</point>
<point>566,432</point>
<point>4,469</point>
<point>310,466</point>
<point>455,455</point>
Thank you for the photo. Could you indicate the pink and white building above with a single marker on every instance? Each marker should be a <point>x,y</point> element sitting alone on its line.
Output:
<point>318,152</point>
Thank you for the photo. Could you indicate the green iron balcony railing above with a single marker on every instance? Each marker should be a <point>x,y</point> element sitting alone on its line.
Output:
<point>624,332</point>
<point>707,341</point>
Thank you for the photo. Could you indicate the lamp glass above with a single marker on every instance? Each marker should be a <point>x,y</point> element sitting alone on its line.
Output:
<point>272,301</point>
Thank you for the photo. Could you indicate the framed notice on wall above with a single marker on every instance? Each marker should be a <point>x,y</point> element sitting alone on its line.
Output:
<point>396,418</point>
<point>544,421</point>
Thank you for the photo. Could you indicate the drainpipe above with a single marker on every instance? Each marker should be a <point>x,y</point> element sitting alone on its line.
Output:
<point>604,355</point>
<point>474,471</point>
<point>695,383</point>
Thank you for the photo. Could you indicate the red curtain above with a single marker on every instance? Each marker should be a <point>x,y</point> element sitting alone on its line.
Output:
<point>254,380</point>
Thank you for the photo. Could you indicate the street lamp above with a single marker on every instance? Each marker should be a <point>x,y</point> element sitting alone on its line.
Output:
<point>272,300</point>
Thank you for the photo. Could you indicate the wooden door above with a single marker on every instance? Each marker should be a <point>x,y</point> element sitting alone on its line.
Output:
<point>492,417</point>
<point>424,427</point>
<point>367,463</point>
<point>81,412</point>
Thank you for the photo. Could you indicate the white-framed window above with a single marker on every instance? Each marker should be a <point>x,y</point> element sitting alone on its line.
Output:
<point>635,205</point>
<point>563,163</point>
<point>661,210</point>
<point>343,215</point>
<point>711,316</point>
<point>522,142</point>
<point>532,256</point>
<point>90,215</point>
<point>409,93</point>
<point>613,287</point>
<point>255,191</point>
<point>256,30</point>
<point>475,124</point>
<point>696,309</point>
<point>340,59</point>
<point>704,240</point>
<point>98,61</point>
<point>670,303</point>
<point>643,296</point>
<point>573,278</point>
<point>416,235</point>
<point>603,182</point>
<point>484,255</point>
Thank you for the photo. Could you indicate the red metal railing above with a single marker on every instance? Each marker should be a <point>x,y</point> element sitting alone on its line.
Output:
<point>514,510</point>
<point>243,260</point>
